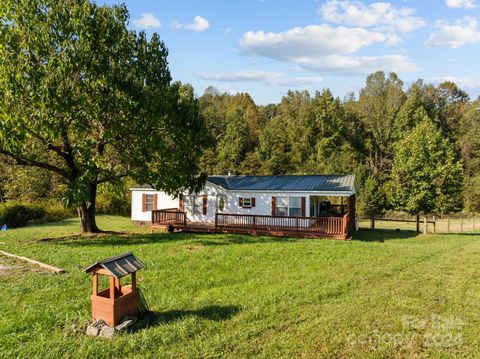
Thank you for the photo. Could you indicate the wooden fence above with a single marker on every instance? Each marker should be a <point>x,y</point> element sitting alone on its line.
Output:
<point>303,225</point>
<point>169,216</point>
<point>465,223</point>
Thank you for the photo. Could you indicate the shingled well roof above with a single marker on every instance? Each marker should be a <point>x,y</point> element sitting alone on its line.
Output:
<point>118,266</point>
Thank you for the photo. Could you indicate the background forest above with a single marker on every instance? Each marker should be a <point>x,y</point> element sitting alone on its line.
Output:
<point>414,150</point>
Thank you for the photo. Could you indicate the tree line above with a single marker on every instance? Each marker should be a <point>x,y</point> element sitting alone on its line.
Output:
<point>412,149</point>
<point>89,107</point>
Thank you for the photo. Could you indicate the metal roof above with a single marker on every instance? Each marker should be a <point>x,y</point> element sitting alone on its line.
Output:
<point>295,183</point>
<point>119,266</point>
<point>307,183</point>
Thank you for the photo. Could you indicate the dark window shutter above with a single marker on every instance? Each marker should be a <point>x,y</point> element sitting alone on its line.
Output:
<point>144,202</point>
<point>155,202</point>
<point>274,205</point>
<point>253,201</point>
<point>304,201</point>
<point>204,204</point>
<point>180,202</point>
<point>240,202</point>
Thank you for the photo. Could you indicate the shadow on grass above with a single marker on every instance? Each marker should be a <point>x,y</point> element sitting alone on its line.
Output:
<point>156,238</point>
<point>211,312</point>
<point>381,235</point>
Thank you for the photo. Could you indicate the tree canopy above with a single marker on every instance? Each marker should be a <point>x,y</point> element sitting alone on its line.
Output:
<point>426,172</point>
<point>93,102</point>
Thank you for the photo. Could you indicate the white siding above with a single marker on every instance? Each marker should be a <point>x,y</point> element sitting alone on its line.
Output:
<point>263,202</point>
<point>164,201</point>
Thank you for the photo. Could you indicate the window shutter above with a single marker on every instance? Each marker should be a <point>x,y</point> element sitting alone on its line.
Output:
<point>204,204</point>
<point>274,205</point>
<point>240,202</point>
<point>155,202</point>
<point>144,202</point>
<point>304,201</point>
<point>253,201</point>
<point>180,201</point>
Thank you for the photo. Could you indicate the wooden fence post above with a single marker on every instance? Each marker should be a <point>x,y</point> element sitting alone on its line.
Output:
<point>424,224</point>
<point>372,223</point>
<point>461,224</point>
<point>434,224</point>
<point>418,223</point>
<point>473,223</point>
<point>448,224</point>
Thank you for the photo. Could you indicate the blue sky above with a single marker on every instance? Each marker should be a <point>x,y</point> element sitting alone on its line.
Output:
<point>265,47</point>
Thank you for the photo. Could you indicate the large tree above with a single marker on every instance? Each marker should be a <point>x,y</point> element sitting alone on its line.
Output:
<point>88,99</point>
<point>427,173</point>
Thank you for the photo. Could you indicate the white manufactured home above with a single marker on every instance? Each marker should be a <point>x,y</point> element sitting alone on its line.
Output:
<point>318,205</point>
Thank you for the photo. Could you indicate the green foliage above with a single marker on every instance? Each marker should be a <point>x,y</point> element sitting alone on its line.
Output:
<point>115,198</point>
<point>426,172</point>
<point>472,194</point>
<point>240,296</point>
<point>371,198</point>
<point>30,184</point>
<point>90,100</point>
<point>19,214</point>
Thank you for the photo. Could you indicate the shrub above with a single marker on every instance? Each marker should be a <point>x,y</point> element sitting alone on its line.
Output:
<point>16,214</point>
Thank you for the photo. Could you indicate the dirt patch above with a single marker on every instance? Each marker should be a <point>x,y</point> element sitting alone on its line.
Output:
<point>10,267</point>
<point>194,248</point>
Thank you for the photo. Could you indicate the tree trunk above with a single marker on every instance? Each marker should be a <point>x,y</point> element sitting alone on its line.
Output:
<point>86,213</point>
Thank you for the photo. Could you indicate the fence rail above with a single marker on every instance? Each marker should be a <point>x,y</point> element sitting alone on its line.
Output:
<point>317,225</point>
<point>466,223</point>
<point>169,216</point>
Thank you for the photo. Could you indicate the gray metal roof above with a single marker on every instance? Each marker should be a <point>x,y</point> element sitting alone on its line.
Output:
<point>300,183</point>
<point>119,266</point>
<point>307,183</point>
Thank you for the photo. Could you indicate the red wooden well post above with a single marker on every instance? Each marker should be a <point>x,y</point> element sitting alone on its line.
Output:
<point>116,301</point>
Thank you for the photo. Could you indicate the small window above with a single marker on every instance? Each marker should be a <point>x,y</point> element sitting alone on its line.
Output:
<point>247,202</point>
<point>221,203</point>
<point>281,208</point>
<point>198,204</point>
<point>295,206</point>
<point>149,202</point>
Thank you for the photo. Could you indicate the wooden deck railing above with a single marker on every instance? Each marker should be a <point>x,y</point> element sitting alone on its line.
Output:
<point>169,216</point>
<point>305,225</point>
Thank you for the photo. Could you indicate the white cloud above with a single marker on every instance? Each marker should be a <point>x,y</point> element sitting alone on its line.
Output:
<point>462,32</point>
<point>147,20</point>
<point>312,40</point>
<point>326,49</point>
<point>457,4</point>
<point>381,15</point>
<point>468,83</point>
<point>199,24</point>
<point>267,77</point>
<point>359,65</point>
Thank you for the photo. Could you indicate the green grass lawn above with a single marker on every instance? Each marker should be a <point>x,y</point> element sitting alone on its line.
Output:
<point>243,296</point>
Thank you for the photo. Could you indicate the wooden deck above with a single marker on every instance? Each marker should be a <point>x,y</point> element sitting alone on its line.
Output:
<point>305,227</point>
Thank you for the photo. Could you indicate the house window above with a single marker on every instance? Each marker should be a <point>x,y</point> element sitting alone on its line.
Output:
<point>288,206</point>
<point>281,208</point>
<point>149,199</point>
<point>221,203</point>
<point>198,204</point>
<point>295,206</point>
<point>247,202</point>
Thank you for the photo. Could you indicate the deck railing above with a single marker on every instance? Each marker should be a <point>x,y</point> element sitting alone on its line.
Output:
<point>169,216</point>
<point>309,225</point>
